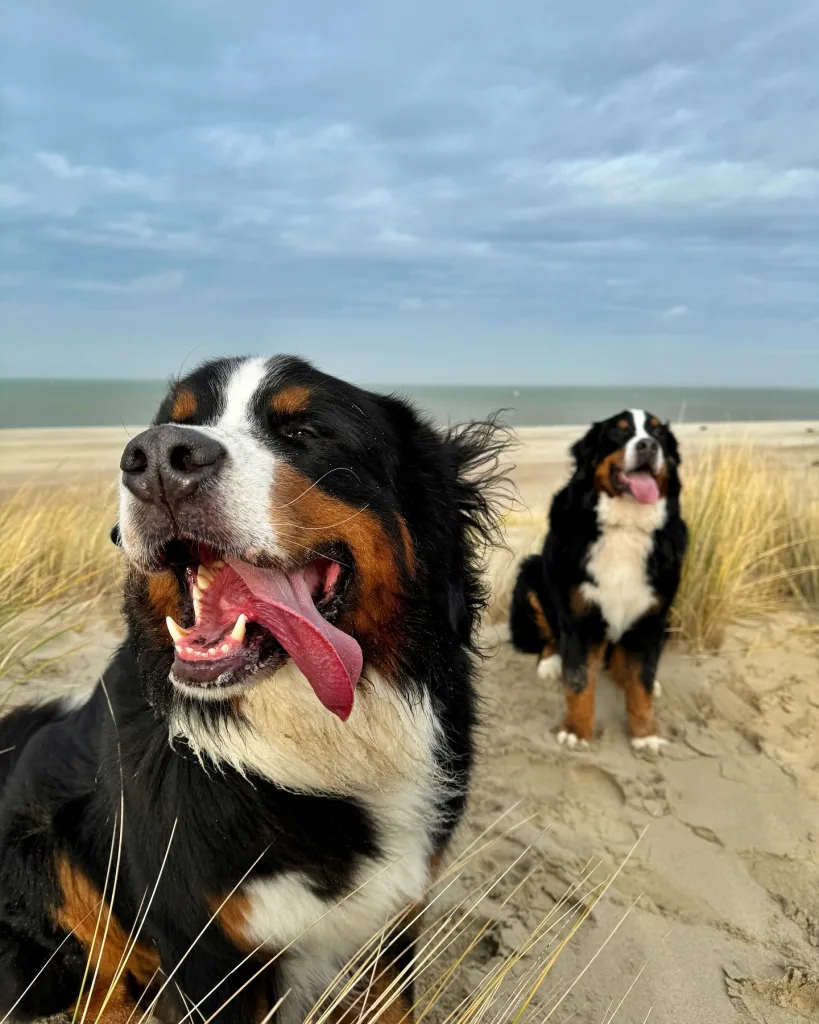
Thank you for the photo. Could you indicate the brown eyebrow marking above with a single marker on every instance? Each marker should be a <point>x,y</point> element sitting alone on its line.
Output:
<point>184,405</point>
<point>291,400</point>
<point>623,424</point>
<point>654,422</point>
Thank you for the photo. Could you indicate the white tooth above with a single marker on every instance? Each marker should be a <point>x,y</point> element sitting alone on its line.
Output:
<point>189,650</point>
<point>226,648</point>
<point>219,564</point>
<point>211,650</point>
<point>176,631</point>
<point>204,578</point>
<point>238,631</point>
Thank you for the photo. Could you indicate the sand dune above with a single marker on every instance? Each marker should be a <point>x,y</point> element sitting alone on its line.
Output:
<point>722,890</point>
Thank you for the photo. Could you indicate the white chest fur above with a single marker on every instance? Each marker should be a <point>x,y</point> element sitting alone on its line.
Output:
<point>384,756</point>
<point>617,561</point>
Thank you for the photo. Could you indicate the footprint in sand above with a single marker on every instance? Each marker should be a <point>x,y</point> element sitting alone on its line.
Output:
<point>778,1000</point>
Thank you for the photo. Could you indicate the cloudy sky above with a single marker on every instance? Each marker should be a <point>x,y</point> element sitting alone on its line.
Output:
<point>435,191</point>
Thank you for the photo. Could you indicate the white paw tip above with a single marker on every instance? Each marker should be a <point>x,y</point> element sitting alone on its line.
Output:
<point>654,744</point>
<point>570,740</point>
<point>550,668</point>
<point>658,688</point>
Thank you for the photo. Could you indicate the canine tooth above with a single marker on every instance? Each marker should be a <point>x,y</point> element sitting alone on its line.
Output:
<point>176,631</point>
<point>204,578</point>
<point>238,631</point>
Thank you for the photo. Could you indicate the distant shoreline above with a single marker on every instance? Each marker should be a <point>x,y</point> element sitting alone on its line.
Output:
<point>72,404</point>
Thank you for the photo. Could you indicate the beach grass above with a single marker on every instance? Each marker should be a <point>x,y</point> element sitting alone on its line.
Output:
<point>58,563</point>
<point>754,549</point>
<point>754,543</point>
<point>459,972</point>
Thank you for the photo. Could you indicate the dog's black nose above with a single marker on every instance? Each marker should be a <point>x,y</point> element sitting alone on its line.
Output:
<point>165,465</point>
<point>647,447</point>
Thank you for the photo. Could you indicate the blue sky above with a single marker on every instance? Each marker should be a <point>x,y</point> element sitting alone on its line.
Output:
<point>516,192</point>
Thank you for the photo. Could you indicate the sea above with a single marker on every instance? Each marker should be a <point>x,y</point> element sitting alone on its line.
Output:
<point>110,403</point>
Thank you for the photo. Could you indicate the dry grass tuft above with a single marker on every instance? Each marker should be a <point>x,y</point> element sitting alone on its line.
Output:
<point>754,543</point>
<point>57,557</point>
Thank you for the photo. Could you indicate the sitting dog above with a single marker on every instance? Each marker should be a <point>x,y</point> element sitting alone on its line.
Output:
<point>602,588</point>
<point>277,755</point>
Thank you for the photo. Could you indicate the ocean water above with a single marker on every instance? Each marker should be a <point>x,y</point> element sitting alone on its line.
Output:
<point>96,403</point>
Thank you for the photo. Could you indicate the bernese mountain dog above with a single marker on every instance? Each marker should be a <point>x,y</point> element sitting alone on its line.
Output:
<point>601,590</point>
<point>271,765</point>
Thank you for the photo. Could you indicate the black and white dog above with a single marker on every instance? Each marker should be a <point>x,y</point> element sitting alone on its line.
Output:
<point>603,586</point>
<point>280,750</point>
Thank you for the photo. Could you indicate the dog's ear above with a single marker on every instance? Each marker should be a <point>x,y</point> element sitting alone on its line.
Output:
<point>116,537</point>
<point>478,491</point>
<point>453,488</point>
<point>584,451</point>
<point>670,446</point>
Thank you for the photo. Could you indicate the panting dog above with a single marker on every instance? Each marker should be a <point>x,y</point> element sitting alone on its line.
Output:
<point>278,753</point>
<point>601,590</point>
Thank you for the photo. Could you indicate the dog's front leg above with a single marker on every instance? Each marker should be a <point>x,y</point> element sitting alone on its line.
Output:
<point>582,650</point>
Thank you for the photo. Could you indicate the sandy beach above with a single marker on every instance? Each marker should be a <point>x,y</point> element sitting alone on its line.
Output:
<point>719,900</point>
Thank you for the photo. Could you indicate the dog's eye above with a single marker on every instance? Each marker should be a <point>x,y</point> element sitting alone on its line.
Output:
<point>298,433</point>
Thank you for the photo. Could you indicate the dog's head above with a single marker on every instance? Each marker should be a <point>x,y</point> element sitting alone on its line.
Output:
<point>632,456</point>
<point>274,513</point>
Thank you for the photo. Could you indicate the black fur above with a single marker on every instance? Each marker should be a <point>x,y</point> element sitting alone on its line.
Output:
<point>562,567</point>
<point>79,781</point>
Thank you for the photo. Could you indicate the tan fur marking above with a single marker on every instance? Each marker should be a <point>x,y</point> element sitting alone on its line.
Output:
<point>577,602</point>
<point>654,422</point>
<point>184,405</point>
<point>625,670</point>
<point>579,717</point>
<point>542,623</point>
<point>305,517</point>
<point>662,481</point>
<point>409,547</point>
<point>163,595</point>
<point>622,424</point>
<point>84,912</point>
<point>605,472</point>
<point>233,918</point>
<point>291,400</point>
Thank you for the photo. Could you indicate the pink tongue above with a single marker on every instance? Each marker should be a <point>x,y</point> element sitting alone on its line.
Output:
<point>331,660</point>
<point>643,486</point>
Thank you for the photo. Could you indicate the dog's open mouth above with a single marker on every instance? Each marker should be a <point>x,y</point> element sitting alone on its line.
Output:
<point>640,483</point>
<point>241,618</point>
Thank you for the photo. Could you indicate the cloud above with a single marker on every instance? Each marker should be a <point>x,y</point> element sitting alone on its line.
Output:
<point>106,178</point>
<point>581,169</point>
<point>148,284</point>
<point>11,196</point>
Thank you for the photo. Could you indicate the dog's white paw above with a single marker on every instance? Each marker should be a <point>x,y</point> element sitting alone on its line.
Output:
<point>653,744</point>
<point>568,739</point>
<point>550,668</point>
<point>658,689</point>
